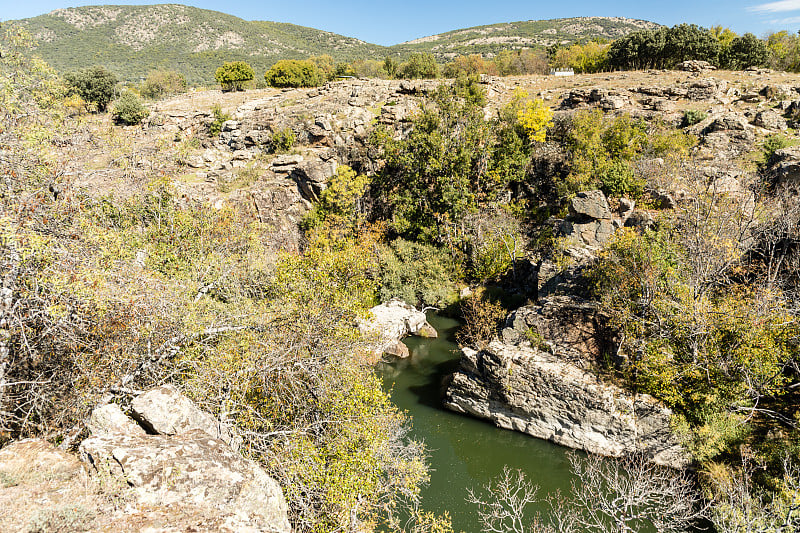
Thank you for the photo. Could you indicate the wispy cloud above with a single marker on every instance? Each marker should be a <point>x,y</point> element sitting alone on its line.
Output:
<point>776,7</point>
<point>785,22</point>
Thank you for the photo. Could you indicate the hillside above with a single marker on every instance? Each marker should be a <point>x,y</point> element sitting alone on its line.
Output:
<point>524,34</point>
<point>132,40</point>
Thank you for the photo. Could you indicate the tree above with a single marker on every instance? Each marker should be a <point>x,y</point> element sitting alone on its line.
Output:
<point>161,83</point>
<point>624,495</point>
<point>420,65</point>
<point>95,85</point>
<point>294,73</point>
<point>745,51</point>
<point>232,75</point>
<point>391,67</point>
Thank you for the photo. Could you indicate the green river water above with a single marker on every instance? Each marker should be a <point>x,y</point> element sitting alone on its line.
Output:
<point>464,452</point>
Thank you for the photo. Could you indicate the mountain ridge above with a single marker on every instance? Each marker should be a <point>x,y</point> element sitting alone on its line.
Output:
<point>133,40</point>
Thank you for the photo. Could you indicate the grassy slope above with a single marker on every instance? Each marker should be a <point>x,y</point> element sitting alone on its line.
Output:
<point>132,40</point>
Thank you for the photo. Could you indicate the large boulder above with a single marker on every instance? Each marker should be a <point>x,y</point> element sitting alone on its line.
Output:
<point>592,204</point>
<point>388,323</point>
<point>312,176</point>
<point>770,119</point>
<point>110,420</point>
<point>191,469</point>
<point>166,411</point>
<point>535,392</point>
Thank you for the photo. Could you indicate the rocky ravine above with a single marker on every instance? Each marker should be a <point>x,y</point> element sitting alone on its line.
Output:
<point>174,470</point>
<point>537,379</point>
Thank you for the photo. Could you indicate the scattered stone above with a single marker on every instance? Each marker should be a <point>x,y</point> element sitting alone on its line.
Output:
<point>694,65</point>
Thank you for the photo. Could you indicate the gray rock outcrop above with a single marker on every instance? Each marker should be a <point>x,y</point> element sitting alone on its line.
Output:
<point>528,390</point>
<point>165,411</point>
<point>783,168</point>
<point>184,459</point>
<point>193,468</point>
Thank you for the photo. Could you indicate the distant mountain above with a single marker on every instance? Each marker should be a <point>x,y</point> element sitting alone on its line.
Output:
<point>525,34</point>
<point>133,40</point>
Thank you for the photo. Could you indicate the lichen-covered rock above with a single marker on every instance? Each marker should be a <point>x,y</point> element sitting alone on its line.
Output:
<point>110,420</point>
<point>534,392</point>
<point>565,324</point>
<point>193,468</point>
<point>770,119</point>
<point>164,410</point>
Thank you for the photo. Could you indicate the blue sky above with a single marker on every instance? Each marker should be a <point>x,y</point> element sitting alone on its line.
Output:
<point>393,22</point>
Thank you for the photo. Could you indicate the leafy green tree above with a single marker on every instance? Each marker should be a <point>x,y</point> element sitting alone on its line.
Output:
<point>745,51</point>
<point>95,85</point>
<point>128,109</point>
<point>689,41</point>
<point>294,73</point>
<point>391,67</point>
<point>233,74</point>
<point>420,65</point>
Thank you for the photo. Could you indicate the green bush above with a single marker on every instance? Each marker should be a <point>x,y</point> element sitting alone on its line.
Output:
<point>128,109</point>
<point>232,75</point>
<point>418,273</point>
<point>95,85</point>
<point>283,140</point>
<point>773,143</point>
<point>294,73</point>
<point>692,117</point>
<point>161,83</point>
<point>215,127</point>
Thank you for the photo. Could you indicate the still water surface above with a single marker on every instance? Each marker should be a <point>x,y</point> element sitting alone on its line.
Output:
<point>464,452</point>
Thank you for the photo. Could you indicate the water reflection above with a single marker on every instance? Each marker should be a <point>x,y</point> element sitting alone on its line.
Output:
<point>464,452</point>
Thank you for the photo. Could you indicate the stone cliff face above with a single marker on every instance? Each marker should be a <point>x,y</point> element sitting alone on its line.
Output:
<point>538,378</point>
<point>532,391</point>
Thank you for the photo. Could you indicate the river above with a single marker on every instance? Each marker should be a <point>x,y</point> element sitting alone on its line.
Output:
<point>464,452</point>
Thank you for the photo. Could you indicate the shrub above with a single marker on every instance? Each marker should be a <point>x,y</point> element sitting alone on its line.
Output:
<point>417,273</point>
<point>294,73</point>
<point>95,85</point>
<point>773,143</point>
<point>283,140</point>
<point>215,127</point>
<point>160,83</point>
<point>232,75</point>
<point>483,318</point>
<point>128,109</point>
<point>692,117</point>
